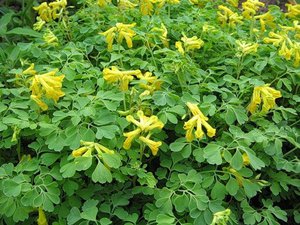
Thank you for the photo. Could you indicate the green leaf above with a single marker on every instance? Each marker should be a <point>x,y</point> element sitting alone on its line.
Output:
<point>181,202</point>
<point>164,219</point>
<point>237,160</point>
<point>111,160</point>
<point>11,188</point>
<point>73,216</point>
<point>25,31</point>
<point>83,163</point>
<point>177,146</point>
<point>232,186</point>
<point>212,153</point>
<point>101,174</point>
<point>68,170</point>
<point>218,191</point>
<point>108,131</point>
<point>4,21</point>
<point>90,210</point>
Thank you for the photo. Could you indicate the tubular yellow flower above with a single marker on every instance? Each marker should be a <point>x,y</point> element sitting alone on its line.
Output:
<point>179,47</point>
<point>42,220</point>
<point>130,137</point>
<point>47,84</point>
<point>126,4</point>
<point>100,148</point>
<point>266,19</point>
<point>57,8</point>
<point>30,70</point>
<point>39,24</point>
<point>246,48</point>
<point>145,125</point>
<point>103,3</point>
<point>191,43</point>
<point>285,51</point>
<point>198,119</point>
<point>293,11</point>
<point>234,3</point>
<point>221,217</point>
<point>50,38</point>
<point>125,32</point>
<point>163,33</point>
<point>152,83</point>
<point>80,151</point>
<point>275,39</point>
<point>114,75</point>
<point>44,11</point>
<point>226,16</point>
<point>146,7</point>
<point>264,94</point>
<point>153,145</point>
<point>246,159</point>
<point>250,7</point>
<point>296,51</point>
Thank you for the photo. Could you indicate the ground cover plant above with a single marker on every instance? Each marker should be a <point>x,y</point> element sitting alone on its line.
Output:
<point>149,112</point>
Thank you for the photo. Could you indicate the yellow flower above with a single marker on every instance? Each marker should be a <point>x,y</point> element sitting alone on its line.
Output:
<point>264,94</point>
<point>130,137</point>
<point>114,75</point>
<point>179,47</point>
<point>296,51</point>
<point>103,3</point>
<point>234,3</point>
<point>250,7</point>
<point>126,4</point>
<point>57,8</point>
<point>285,51</point>
<point>152,84</point>
<point>47,84</point>
<point>80,151</point>
<point>198,120</point>
<point>124,32</point>
<point>50,38</point>
<point>44,11</point>
<point>39,24</point>
<point>88,149</point>
<point>146,7</point>
<point>266,19</point>
<point>221,217</point>
<point>208,28</point>
<point>163,33</point>
<point>293,11</point>
<point>246,48</point>
<point>153,145</point>
<point>145,125</point>
<point>30,70</point>
<point>191,43</point>
<point>275,39</point>
<point>42,220</point>
<point>199,3</point>
<point>226,16</point>
<point>246,159</point>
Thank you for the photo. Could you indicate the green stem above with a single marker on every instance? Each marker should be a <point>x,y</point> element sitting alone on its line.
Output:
<point>124,101</point>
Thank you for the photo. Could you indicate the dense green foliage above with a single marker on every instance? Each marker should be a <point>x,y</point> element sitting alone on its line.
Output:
<point>244,173</point>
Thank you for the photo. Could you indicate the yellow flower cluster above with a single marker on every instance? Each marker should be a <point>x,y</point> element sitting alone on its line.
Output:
<point>245,48</point>
<point>197,120</point>
<point>126,4</point>
<point>288,48</point>
<point>123,31</point>
<point>103,3</point>
<point>250,7</point>
<point>266,19</point>
<point>147,6</point>
<point>221,217</point>
<point>199,3</point>
<point>45,84</point>
<point>227,16</point>
<point>114,75</point>
<point>162,33</point>
<point>264,94</point>
<point>48,12</point>
<point>293,11</point>
<point>149,82</point>
<point>234,3</point>
<point>188,44</point>
<point>50,38</point>
<point>88,148</point>
<point>143,131</point>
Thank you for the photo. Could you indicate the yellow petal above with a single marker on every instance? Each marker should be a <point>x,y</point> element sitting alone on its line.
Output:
<point>40,103</point>
<point>42,220</point>
<point>153,145</point>
<point>130,137</point>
